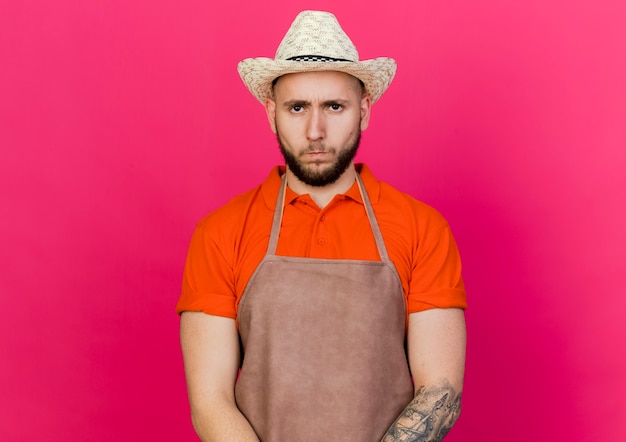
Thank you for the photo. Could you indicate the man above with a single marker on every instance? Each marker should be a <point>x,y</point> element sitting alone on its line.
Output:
<point>300,295</point>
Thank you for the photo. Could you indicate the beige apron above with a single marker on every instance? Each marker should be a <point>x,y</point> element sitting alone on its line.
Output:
<point>323,345</point>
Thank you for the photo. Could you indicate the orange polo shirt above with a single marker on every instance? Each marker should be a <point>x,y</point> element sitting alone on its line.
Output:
<point>228,244</point>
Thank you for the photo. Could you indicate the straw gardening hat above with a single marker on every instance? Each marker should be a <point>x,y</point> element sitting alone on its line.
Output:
<point>316,42</point>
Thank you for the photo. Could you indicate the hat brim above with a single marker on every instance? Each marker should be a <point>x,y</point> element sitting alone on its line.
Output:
<point>259,73</point>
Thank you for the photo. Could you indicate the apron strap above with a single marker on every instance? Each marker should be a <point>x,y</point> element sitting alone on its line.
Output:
<point>280,206</point>
<point>378,236</point>
<point>278,217</point>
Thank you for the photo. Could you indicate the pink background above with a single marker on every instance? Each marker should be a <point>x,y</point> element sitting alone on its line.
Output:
<point>123,123</point>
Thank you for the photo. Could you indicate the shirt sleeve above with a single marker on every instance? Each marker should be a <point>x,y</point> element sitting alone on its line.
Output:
<point>208,282</point>
<point>436,280</point>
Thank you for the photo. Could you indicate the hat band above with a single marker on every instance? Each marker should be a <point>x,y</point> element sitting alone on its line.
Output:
<point>316,58</point>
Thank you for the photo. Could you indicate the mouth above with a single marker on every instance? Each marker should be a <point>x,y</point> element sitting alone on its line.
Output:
<point>316,155</point>
<point>318,150</point>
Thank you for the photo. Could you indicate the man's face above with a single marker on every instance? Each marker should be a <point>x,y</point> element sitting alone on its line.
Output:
<point>318,118</point>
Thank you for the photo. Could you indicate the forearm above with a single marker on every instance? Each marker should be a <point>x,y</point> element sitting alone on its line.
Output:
<point>217,423</point>
<point>429,416</point>
<point>210,346</point>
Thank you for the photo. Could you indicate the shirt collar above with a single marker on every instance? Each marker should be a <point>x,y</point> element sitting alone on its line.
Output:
<point>271,186</point>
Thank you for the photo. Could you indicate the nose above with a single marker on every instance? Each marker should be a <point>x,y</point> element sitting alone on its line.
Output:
<point>316,129</point>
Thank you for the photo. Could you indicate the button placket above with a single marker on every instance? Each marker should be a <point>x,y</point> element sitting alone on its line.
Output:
<point>320,229</point>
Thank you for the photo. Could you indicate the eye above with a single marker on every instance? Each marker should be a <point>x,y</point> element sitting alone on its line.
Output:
<point>336,107</point>
<point>296,109</point>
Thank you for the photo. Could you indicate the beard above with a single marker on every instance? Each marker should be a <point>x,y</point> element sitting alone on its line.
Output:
<point>324,177</point>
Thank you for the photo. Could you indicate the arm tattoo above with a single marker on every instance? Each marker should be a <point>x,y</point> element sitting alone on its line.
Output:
<point>428,417</point>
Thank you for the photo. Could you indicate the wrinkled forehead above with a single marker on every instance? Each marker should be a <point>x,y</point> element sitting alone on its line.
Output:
<point>319,83</point>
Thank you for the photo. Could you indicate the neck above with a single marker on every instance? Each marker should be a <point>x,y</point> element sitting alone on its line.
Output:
<point>324,194</point>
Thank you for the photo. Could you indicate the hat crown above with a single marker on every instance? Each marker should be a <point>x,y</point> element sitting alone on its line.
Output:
<point>316,33</point>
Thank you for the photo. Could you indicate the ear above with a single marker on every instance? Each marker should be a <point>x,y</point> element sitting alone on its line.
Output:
<point>270,110</point>
<point>366,107</point>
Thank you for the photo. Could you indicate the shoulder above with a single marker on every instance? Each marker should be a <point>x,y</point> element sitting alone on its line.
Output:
<point>410,225</point>
<point>232,230</point>
<point>403,202</point>
<point>232,211</point>
<point>244,207</point>
<point>393,206</point>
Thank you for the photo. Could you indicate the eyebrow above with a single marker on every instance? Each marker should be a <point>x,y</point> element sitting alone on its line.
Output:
<point>304,103</point>
<point>292,103</point>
